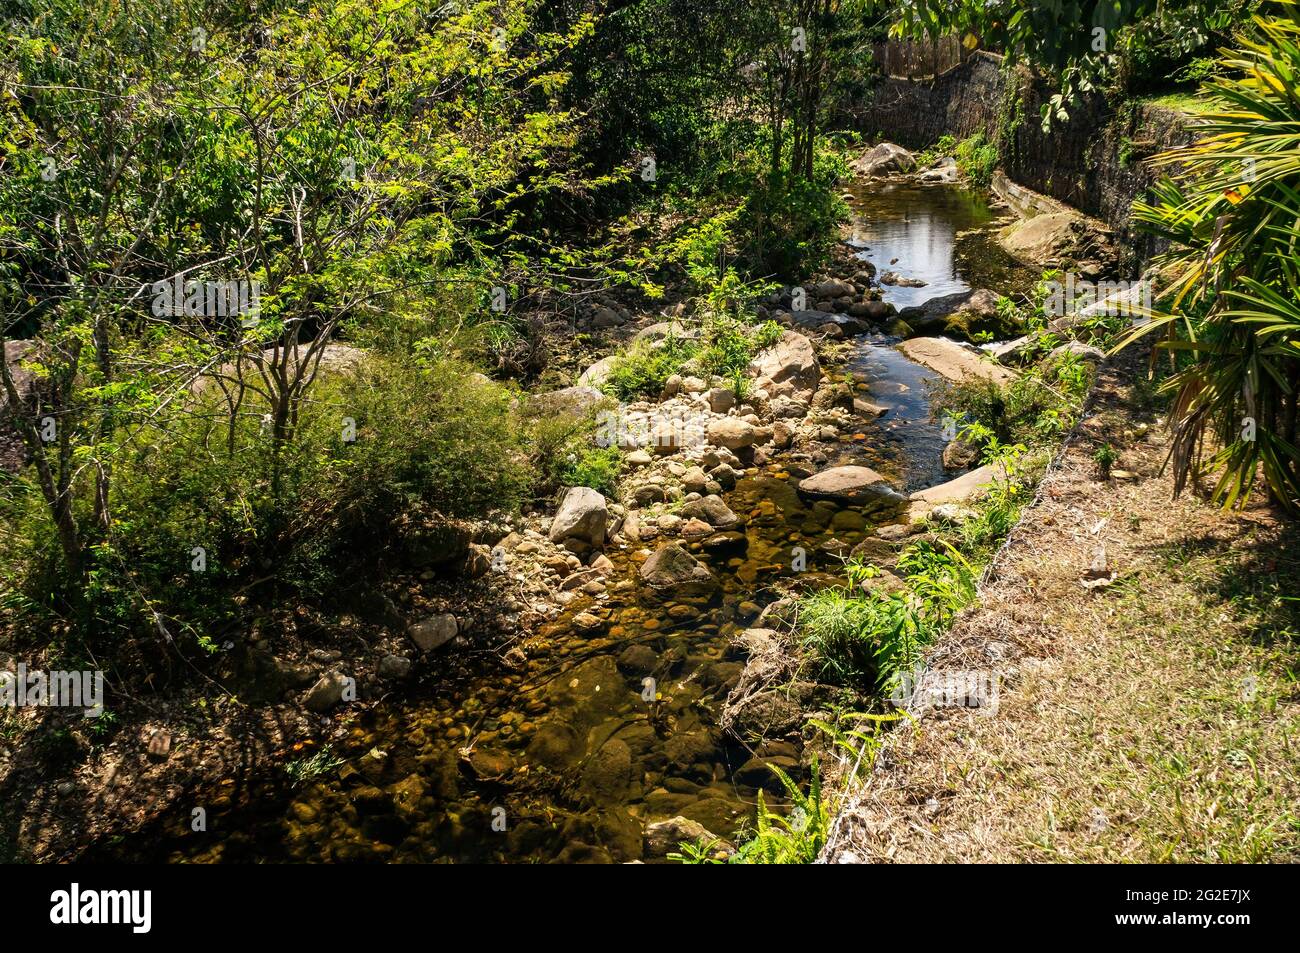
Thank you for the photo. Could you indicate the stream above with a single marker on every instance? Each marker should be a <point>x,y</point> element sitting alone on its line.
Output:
<point>561,758</point>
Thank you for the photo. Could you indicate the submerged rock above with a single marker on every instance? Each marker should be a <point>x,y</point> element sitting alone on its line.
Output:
<point>712,510</point>
<point>555,746</point>
<point>607,773</point>
<point>672,567</point>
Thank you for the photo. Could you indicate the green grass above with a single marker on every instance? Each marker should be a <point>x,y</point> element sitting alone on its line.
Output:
<point>1193,103</point>
<point>866,640</point>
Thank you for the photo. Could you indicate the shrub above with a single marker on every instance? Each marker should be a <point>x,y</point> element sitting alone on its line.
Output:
<point>644,369</point>
<point>595,467</point>
<point>976,160</point>
<point>1231,217</point>
<point>436,436</point>
<point>867,640</point>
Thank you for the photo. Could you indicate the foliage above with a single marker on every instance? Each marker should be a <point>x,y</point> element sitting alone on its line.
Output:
<point>643,369</point>
<point>1230,313</point>
<point>1082,46</point>
<point>303,771</point>
<point>794,839</point>
<point>1105,458</point>
<point>866,639</point>
<point>1038,406</point>
<point>945,145</point>
<point>595,467</point>
<point>856,737</point>
<point>349,162</point>
<point>721,343</point>
<point>976,160</point>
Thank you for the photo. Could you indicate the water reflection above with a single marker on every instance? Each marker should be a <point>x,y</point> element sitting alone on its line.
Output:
<point>932,233</point>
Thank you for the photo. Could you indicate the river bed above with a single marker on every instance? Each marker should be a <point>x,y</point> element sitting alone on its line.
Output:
<point>608,718</point>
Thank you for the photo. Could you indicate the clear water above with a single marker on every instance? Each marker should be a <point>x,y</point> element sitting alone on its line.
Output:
<point>560,758</point>
<point>939,234</point>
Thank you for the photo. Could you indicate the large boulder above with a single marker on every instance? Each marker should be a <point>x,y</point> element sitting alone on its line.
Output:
<point>732,433</point>
<point>931,316</point>
<point>965,315</point>
<point>873,310</point>
<point>672,568</point>
<point>954,361</point>
<point>1041,238</point>
<point>15,353</point>
<point>598,373</point>
<point>850,484</point>
<point>968,486</point>
<point>1084,352</point>
<point>981,314</point>
<point>1016,351</point>
<point>789,367</point>
<point>1062,237</point>
<point>884,159</point>
<point>583,515</point>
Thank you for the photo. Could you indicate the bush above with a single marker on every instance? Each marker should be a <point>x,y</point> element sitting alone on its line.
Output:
<point>435,436</point>
<point>1037,407</point>
<point>644,369</point>
<point>976,160</point>
<point>595,467</point>
<point>790,226</point>
<point>867,640</point>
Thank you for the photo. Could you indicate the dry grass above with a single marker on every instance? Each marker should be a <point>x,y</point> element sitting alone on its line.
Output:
<point>1154,719</point>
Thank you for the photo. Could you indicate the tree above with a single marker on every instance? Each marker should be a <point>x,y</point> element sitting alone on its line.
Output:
<point>1233,312</point>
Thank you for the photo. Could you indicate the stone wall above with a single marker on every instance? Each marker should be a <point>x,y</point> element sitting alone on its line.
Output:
<point>1092,162</point>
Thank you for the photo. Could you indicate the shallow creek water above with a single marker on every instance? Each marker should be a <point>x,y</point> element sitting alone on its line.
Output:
<point>561,758</point>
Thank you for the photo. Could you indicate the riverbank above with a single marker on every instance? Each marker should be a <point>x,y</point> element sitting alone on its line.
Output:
<point>1145,710</point>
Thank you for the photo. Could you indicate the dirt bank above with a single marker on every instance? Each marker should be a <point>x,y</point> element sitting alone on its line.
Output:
<point>1145,710</point>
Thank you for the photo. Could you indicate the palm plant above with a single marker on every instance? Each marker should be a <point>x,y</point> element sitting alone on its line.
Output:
<point>1232,214</point>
